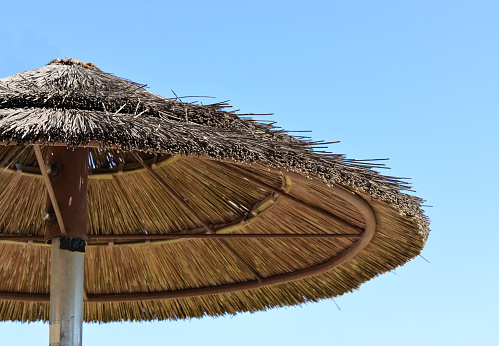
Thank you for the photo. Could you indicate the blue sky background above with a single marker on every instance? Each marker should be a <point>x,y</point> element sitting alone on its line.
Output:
<point>413,81</point>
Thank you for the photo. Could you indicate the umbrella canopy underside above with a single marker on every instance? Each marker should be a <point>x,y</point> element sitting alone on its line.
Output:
<point>192,211</point>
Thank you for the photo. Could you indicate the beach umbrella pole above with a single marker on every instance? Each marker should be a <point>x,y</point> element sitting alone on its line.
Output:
<point>66,295</point>
<point>65,174</point>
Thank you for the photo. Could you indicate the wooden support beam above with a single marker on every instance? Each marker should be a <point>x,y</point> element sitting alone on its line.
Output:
<point>50,189</point>
<point>241,260</point>
<point>7,157</point>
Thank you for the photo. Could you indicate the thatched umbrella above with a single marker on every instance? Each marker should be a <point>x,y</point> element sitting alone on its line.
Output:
<point>118,204</point>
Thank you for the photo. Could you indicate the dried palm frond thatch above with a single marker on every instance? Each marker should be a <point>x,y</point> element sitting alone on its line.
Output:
<point>192,210</point>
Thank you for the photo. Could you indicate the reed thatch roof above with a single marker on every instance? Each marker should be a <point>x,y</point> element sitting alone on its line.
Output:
<point>192,210</point>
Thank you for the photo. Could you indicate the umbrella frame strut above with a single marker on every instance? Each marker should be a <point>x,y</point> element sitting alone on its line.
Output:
<point>66,177</point>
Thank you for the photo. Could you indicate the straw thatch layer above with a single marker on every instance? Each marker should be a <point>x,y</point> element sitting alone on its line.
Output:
<point>76,104</point>
<point>188,264</point>
<point>72,86</point>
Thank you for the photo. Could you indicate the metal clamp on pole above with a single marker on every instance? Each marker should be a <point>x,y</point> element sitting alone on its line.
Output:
<point>72,244</point>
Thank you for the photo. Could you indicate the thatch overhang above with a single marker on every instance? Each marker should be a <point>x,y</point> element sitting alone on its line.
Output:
<point>192,210</point>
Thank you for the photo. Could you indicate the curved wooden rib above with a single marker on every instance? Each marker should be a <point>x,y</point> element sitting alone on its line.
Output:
<point>367,235</point>
<point>220,231</point>
<point>356,248</point>
<point>148,239</point>
<point>286,194</point>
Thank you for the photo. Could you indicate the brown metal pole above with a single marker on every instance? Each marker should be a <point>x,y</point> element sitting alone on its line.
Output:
<point>68,175</point>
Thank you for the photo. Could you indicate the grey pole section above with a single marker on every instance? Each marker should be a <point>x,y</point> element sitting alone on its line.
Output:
<point>66,177</point>
<point>66,296</point>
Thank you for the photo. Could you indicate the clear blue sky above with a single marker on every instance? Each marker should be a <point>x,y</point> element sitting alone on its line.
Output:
<point>413,81</point>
